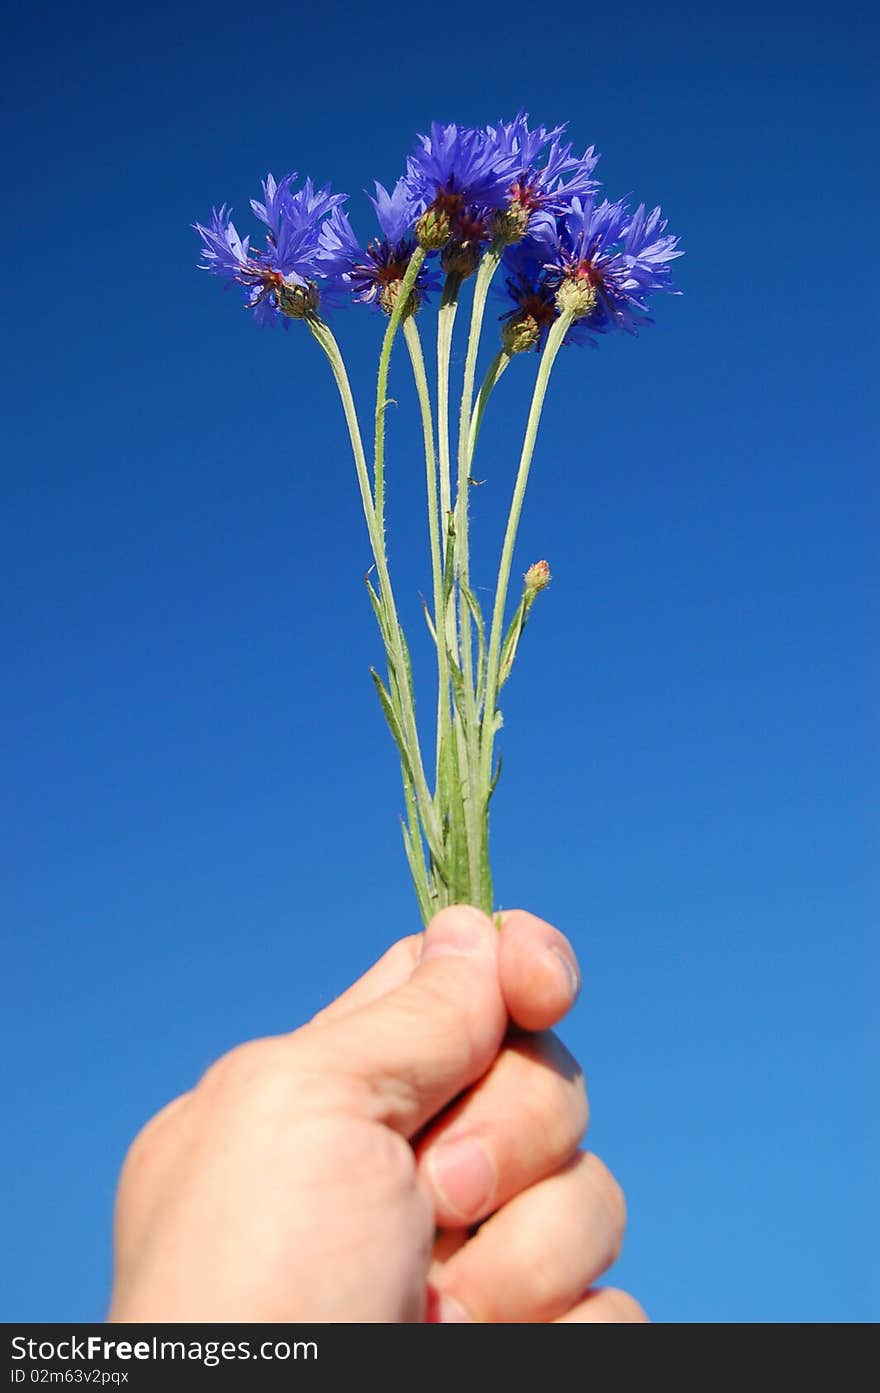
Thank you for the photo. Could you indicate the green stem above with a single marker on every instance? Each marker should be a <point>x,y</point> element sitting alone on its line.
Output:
<point>497,367</point>
<point>413,343</point>
<point>400,303</point>
<point>324,336</point>
<point>488,267</point>
<point>469,746</point>
<point>454,766</point>
<point>445,323</point>
<point>551,348</point>
<point>394,641</point>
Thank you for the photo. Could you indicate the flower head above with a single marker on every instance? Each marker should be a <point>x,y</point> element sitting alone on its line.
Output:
<point>373,273</point>
<point>456,174</point>
<point>281,280</point>
<point>607,262</point>
<point>461,162</point>
<point>600,264</point>
<point>528,285</point>
<point>544,180</point>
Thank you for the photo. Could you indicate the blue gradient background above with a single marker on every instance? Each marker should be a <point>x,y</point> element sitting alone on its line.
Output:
<point>200,799</point>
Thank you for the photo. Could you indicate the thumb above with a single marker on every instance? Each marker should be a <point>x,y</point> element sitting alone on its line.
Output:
<point>418,1046</point>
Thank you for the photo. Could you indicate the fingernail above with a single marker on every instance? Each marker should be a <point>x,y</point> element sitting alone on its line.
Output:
<point>572,977</point>
<point>464,1176</point>
<point>458,929</point>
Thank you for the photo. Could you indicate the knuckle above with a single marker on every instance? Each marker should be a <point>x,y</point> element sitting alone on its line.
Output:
<point>390,1155</point>
<point>153,1134</point>
<point>139,1154</point>
<point>150,1149</point>
<point>254,1070</point>
<point>276,1079</point>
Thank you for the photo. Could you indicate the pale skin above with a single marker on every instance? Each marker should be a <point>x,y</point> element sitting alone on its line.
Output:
<point>413,1153</point>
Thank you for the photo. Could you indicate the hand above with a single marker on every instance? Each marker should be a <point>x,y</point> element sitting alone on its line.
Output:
<point>336,1174</point>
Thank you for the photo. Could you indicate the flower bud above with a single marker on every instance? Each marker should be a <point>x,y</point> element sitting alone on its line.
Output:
<point>521,333</point>
<point>576,295</point>
<point>537,578</point>
<point>389,295</point>
<point>434,229</point>
<point>297,301</point>
<point>511,224</point>
<point>460,259</point>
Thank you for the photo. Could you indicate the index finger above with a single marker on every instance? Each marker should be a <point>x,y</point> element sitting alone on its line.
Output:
<point>540,978</point>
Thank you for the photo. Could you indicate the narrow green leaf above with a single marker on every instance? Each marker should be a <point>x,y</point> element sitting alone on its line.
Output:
<point>473,605</point>
<point>393,722</point>
<point>511,642</point>
<point>377,607</point>
<point>449,559</point>
<point>458,873</point>
<point>428,620</point>
<point>438,859</point>
<point>408,661</point>
<point>458,692</point>
<point>417,869</point>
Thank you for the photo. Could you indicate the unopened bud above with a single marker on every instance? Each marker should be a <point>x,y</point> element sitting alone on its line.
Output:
<point>537,578</point>
<point>390,294</point>
<point>434,229</point>
<point>576,296</point>
<point>511,224</point>
<point>460,259</point>
<point>297,301</point>
<point>520,334</point>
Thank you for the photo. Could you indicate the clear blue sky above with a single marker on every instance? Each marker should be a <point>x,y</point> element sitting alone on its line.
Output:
<point>200,799</point>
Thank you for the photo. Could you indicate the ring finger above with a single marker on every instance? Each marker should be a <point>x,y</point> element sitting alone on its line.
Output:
<point>551,1243</point>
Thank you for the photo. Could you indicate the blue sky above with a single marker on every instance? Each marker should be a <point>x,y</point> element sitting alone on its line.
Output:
<point>200,799</point>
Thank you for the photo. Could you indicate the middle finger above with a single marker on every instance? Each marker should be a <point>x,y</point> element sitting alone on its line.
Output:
<point>521,1122</point>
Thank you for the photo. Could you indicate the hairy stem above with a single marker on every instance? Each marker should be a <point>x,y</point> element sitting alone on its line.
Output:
<point>397,657</point>
<point>397,313</point>
<point>488,267</point>
<point>496,368</point>
<point>469,744</point>
<point>413,343</point>
<point>551,348</point>
<point>445,322</point>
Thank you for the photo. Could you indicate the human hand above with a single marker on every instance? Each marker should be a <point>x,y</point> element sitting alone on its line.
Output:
<point>337,1173</point>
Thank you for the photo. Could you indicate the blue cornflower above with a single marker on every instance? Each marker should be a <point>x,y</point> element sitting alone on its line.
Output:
<point>602,264</point>
<point>277,196</point>
<point>647,251</point>
<point>544,183</point>
<point>528,285</point>
<point>606,263</point>
<point>456,176</point>
<point>282,280</point>
<point>373,273</point>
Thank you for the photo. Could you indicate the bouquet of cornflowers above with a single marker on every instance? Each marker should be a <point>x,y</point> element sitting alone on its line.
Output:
<point>508,200</point>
